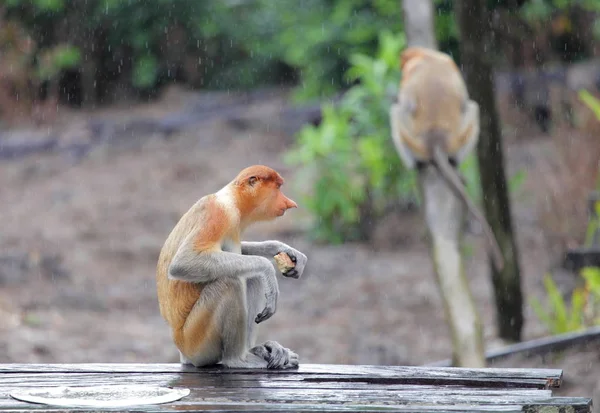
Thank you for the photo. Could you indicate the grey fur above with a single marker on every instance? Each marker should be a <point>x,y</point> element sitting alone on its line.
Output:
<point>206,267</point>
<point>243,284</point>
<point>269,249</point>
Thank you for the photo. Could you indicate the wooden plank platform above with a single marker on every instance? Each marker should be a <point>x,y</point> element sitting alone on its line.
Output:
<point>312,387</point>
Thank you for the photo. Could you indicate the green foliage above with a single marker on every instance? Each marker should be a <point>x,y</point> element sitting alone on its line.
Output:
<point>145,71</point>
<point>319,37</point>
<point>350,156</point>
<point>469,168</point>
<point>542,10</point>
<point>594,223</point>
<point>583,310</point>
<point>50,5</point>
<point>590,101</point>
<point>589,5</point>
<point>537,10</point>
<point>52,61</point>
<point>237,44</point>
<point>558,318</point>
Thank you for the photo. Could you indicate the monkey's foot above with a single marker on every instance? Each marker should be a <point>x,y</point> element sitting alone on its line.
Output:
<point>277,356</point>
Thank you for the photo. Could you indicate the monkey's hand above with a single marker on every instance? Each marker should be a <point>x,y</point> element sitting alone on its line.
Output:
<point>298,260</point>
<point>273,248</point>
<point>271,294</point>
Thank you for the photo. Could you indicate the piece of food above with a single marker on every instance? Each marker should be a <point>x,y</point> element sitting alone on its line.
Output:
<point>284,262</point>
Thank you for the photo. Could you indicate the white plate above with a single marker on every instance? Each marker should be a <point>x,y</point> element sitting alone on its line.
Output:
<point>100,396</point>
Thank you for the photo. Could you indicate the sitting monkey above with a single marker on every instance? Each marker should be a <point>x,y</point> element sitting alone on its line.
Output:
<point>435,123</point>
<point>213,289</point>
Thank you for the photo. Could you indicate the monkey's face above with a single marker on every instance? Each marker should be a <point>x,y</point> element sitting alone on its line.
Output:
<point>271,202</point>
<point>261,196</point>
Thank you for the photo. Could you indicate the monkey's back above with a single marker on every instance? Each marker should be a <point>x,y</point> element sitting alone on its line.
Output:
<point>438,90</point>
<point>177,298</point>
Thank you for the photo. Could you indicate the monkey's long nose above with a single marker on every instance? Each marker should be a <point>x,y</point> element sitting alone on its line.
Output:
<point>290,204</point>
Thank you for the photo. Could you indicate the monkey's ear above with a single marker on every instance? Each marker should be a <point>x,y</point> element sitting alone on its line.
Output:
<point>252,180</point>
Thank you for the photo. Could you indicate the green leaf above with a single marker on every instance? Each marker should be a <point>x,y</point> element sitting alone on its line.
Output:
<point>67,57</point>
<point>590,101</point>
<point>592,278</point>
<point>516,181</point>
<point>575,321</point>
<point>50,5</point>
<point>144,71</point>
<point>542,314</point>
<point>557,303</point>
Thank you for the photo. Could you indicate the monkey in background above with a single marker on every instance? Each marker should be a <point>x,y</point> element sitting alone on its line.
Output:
<point>213,289</point>
<point>435,122</point>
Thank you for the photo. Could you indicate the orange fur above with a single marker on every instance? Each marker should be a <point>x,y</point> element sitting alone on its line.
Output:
<point>216,226</point>
<point>193,336</point>
<point>438,120</point>
<point>433,81</point>
<point>412,56</point>
<point>210,223</point>
<point>177,298</point>
<point>260,202</point>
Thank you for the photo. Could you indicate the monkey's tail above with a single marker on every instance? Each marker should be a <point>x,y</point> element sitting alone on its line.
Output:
<point>442,164</point>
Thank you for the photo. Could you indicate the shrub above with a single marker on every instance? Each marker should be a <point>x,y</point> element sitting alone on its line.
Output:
<point>583,310</point>
<point>350,157</point>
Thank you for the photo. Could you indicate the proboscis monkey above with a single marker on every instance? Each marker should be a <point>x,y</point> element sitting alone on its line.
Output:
<point>213,289</point>
<point>435,122</point>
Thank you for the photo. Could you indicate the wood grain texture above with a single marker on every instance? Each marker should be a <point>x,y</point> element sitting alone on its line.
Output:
<point>328,388</point>
<point>545,377</point>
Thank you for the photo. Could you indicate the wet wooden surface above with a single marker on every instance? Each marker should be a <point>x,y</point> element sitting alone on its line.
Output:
<point>333,388</point>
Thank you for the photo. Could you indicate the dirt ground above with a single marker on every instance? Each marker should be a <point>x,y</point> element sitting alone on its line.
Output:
<point>79,242</point>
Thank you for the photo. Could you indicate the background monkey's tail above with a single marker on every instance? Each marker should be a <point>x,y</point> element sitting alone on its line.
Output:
<point>440,160</point>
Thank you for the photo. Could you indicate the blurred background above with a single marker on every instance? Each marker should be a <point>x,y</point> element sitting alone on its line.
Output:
<point>117,115</point>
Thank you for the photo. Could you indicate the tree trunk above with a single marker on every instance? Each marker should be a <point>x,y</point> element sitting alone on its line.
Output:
<point>444,217</point>
<point>418,23</point>
<point>474,27</point>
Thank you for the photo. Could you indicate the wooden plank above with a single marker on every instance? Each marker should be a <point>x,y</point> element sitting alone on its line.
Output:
<point>309,388</point>
<point>335,399</point>
<point>220,389</point>
<point>368,396</point>
<point>284,407</point>
<point>506,377</point>
<point>575,405</point>
<point>12,381</point>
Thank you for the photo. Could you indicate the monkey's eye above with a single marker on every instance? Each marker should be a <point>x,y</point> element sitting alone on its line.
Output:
<point>252,180</point>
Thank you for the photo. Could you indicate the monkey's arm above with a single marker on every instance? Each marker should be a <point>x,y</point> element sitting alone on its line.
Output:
<point>465,141</point>
<point>209,265</point>
<point>206,266</point>
<point>409,149</point>
<point>272,248</point>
